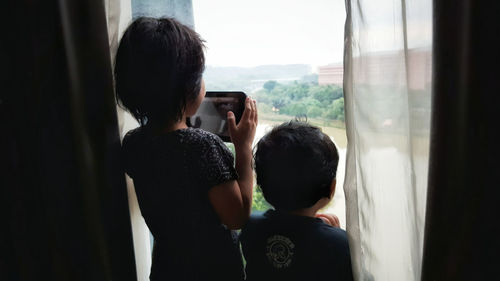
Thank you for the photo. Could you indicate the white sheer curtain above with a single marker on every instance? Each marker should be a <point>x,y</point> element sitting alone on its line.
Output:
<point>387,83</point>
<point>119,15</point>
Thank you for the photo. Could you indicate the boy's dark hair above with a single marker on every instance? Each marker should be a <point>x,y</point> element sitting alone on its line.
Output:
<point>295,164</point>
<point>158,69</point>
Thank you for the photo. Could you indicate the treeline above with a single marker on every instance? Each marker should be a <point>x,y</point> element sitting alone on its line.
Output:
<point>302,99</point>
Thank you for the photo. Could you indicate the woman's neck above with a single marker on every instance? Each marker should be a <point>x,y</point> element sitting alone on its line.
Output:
<point>162,128</point>
<point>176,126</point>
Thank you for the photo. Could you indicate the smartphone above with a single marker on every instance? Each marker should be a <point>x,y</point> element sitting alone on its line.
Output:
<point>212,113</point>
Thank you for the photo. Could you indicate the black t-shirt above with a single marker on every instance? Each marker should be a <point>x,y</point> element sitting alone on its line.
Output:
<point>172,174</point>
<point>279,246</point>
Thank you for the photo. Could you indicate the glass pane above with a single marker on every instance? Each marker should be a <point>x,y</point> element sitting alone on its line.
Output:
<point>288,56</point>
<point>182,10</point>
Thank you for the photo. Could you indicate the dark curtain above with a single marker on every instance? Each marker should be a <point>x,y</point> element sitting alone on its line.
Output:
<point>463,208</point>
<point>63,197</point>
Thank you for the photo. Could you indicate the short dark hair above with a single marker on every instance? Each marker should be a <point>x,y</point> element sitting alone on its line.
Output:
<point>158,69</point>
<point>295,165</point>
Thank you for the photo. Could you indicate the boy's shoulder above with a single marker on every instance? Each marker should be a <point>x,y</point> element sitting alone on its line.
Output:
<point>289,247</point>
<point>266,223</point>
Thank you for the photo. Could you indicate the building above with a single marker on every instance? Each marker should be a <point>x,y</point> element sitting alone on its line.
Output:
<point>332,74</point>
<point>372,69</point>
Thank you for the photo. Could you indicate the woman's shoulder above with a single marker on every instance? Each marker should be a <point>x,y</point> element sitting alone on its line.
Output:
<point>197,132</point>
<point>132,144</point>
<point>192,137</point>
<point>200,137</point>
<point>186,135</point>
<point>132,138</point>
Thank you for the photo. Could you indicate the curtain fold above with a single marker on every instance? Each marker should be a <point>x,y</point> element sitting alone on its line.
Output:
<point>63,192</point>
<point>387,80</point>
<point>461,235</point>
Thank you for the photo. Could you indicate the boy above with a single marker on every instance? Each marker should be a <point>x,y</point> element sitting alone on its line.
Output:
<point>295,165</point>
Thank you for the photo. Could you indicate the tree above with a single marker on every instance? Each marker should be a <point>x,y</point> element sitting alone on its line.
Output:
<point>314,111</point>
<point>279,102</point>
<point>297,91</point>
<point>326,94</point>
<point>310,102</point>
<point>310,78</point>
<point>258,201</point>
<point>338,92</point>
<point>295,109</point>
<point>329,114</point>
<point>270,85</point>
<point>338,108</point>
<point>262,96</point>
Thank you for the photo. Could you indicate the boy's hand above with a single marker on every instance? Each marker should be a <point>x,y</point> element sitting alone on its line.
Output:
<point>329,219</point>
<point>242,134</point>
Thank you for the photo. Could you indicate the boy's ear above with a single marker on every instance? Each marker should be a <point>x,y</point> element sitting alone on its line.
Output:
<point>332,188</point>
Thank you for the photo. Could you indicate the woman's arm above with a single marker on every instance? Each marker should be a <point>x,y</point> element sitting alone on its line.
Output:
<point>232,200</point>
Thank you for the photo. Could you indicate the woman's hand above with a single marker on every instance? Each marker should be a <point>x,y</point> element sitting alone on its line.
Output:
<point>329,219</point>
<point>233,200</point>
<point>242,134</point>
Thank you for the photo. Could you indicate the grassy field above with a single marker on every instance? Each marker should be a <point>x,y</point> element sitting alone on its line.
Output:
<point>335,128</point>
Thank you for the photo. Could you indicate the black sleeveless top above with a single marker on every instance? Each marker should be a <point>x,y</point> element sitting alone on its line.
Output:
<point>172,174</point>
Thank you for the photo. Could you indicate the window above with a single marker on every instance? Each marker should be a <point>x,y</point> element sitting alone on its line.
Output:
<point>288,56</point>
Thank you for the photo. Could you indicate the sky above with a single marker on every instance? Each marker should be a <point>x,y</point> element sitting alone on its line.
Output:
<point>259,32</point>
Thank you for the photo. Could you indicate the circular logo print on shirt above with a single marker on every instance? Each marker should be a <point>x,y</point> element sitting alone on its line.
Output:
<point>279,251</point>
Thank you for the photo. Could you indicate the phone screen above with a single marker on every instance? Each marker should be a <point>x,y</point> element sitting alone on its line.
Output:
<point>211,116</point>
